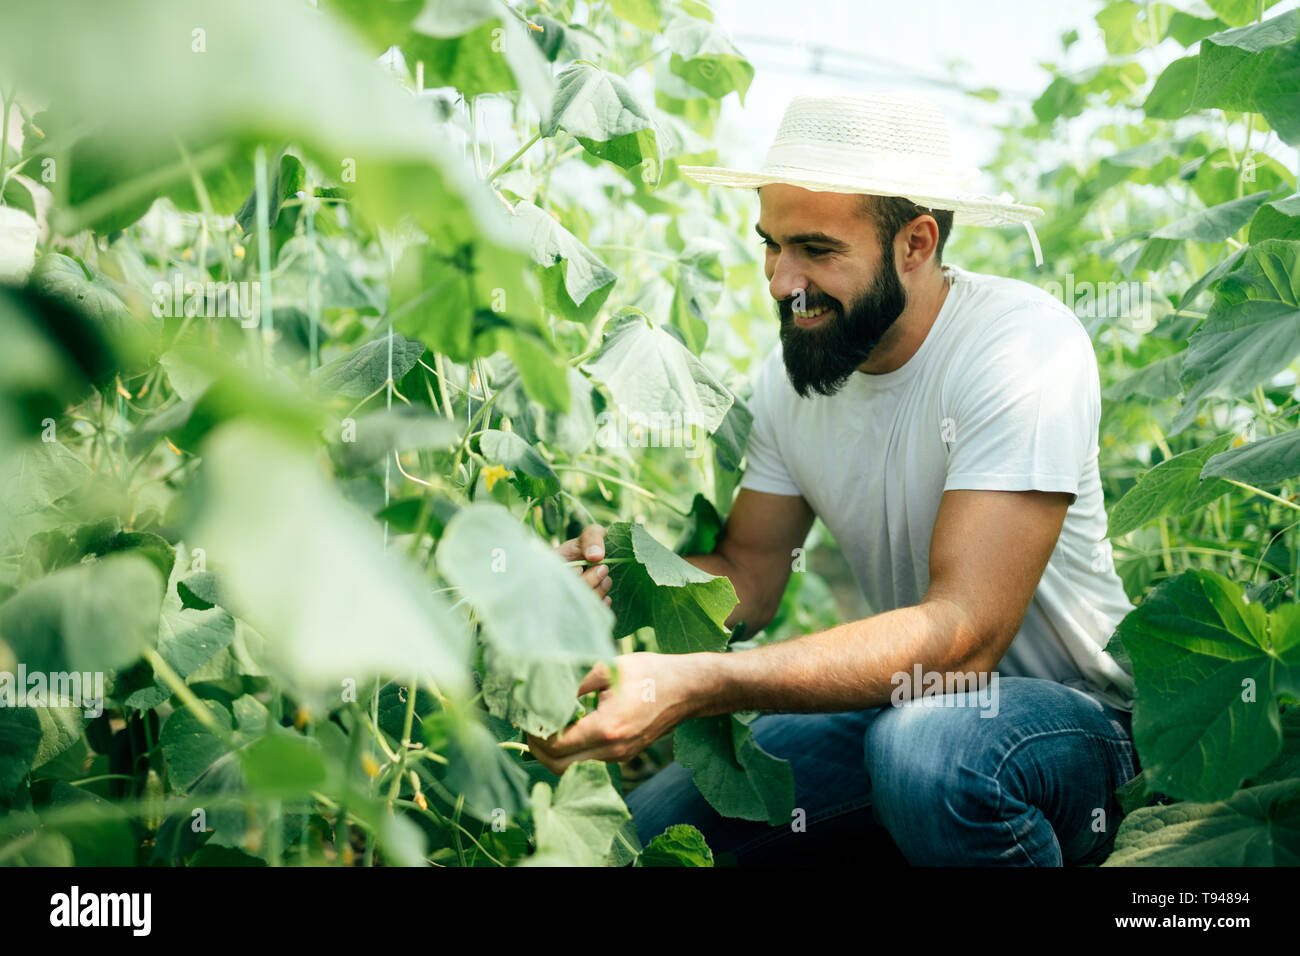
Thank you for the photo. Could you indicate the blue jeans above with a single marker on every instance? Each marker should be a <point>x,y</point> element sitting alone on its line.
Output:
<point>1032,785</point>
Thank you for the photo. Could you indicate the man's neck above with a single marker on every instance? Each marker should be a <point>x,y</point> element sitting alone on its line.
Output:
<point>907,333</point>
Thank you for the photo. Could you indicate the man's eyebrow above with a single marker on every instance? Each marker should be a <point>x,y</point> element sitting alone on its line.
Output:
<point>805,238</point>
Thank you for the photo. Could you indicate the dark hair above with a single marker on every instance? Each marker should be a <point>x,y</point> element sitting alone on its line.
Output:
<point>892,213</point>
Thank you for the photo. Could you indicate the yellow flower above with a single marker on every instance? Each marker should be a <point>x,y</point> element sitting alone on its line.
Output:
<point>494,473</point>
<point>239,251</point>
<point>187,255</point>
<point>302,718</point>
<point>370,765</point>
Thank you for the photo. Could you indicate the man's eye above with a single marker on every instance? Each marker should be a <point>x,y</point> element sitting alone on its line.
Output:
<point>767,244</point>
<point>815,250</point>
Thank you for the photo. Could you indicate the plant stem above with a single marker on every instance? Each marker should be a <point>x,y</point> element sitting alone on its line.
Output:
<point>519,152</point>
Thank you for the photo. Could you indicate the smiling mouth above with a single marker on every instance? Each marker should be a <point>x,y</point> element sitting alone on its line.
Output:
<point>807,321</point>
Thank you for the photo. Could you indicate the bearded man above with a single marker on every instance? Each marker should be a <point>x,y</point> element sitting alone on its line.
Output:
<point>943,424</point>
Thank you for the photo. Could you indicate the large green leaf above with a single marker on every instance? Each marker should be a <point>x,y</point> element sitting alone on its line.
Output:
<point>737,776</point>
<point>532,474</point>
<point>217,76</point>
<point>487,776</point>
<point>1255,69</point>
<point>1252,331</point>
<point>655,587</point>
<point>1265,463</point>
<point>20,739</point>
<point>479,46</point>
<point>651,374</point>
<point>574,280</point>
<point>577,822</point>
<point>1172,487</point>
<point>97,616</point>
<point>604,115</point>
<point>503,570</point>
<point>703,56</point>
<point>1171,97</point>
<point>189,747</point>
<point>1259,826</point>
<point>679,845</point>
<point>1216,223</point>
<point>187,639</point>
<point>365,370</point>
<point>1237,13</point>
<point>1276,220</point>
<point>539,697</point>
<point>310,572</point>
<point>1208,669</point>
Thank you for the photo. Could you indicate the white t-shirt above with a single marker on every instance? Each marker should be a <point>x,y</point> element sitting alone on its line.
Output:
<point>1003,394</point>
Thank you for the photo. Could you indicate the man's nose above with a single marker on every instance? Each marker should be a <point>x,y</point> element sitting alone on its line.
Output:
<point>786,278</point>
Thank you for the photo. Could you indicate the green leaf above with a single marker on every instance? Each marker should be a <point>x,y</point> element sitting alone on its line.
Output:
<point>1276,220</point>
<point>187,639</point>
<point>654,587</point>
<point>604,115</point>
<point>479,46</point>
<point>1188,30</point>
<point>502,569</point>
<point>700,278</point>
<point>737,776</point>
<point>1237,13</point>
<point>1265,463</point>
<point>31,482</point>
<point>283,763</point>
<point>1174,486</point>
<point>574,280</point>
<point>1254,69</point>
<point>572,431</point>
<point>679,845</point>
<point>578,821</point>
<point>1252,331</point>
<point>1157,380</point>
<point>97,616</point>
<point>1208,667</point>
<point>1259,826</point>
<point>704,57</point>
<point>365,371</point>
<point>1287,763</point>
<point>1216,223</point>
<point>96,296</point>
<point>487,776</point>
<point>641,13</point>
<point>703,526</point>
<point>651,374</point>
<point>533,476</point>
<point>401,428</point>
<point>189,747</point>
<point>309,571</point>
<point>20,740</point>
<point>539,697</point>
<point>1171,97</point>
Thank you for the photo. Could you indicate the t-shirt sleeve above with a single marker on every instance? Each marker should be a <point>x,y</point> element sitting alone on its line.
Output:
<point>765,470</point>
<point>1023,406</point>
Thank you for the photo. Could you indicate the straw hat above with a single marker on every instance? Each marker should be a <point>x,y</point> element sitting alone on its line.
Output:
<point>885,144</point>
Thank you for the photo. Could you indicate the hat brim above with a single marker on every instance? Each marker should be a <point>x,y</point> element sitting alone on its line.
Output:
<point>968,209</point>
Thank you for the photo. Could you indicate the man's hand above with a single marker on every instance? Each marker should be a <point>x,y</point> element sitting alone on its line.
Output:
<point>651,695</point>
<point>589,546</point>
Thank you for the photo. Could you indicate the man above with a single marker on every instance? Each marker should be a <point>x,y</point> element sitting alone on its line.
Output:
<point>943,424</point>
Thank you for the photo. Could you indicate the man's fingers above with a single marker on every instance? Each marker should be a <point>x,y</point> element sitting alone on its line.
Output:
<point>597,679</point>
<point>591,543</point>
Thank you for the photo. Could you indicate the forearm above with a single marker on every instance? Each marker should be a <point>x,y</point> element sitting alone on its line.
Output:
<point>849,667</point>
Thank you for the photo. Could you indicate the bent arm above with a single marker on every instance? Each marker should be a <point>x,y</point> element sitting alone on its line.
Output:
<point>755,551</point>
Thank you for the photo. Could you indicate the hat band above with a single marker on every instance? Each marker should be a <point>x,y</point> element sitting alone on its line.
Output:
<point>904,172</point>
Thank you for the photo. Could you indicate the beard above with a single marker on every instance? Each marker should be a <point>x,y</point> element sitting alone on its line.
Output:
<point>822,358</point>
